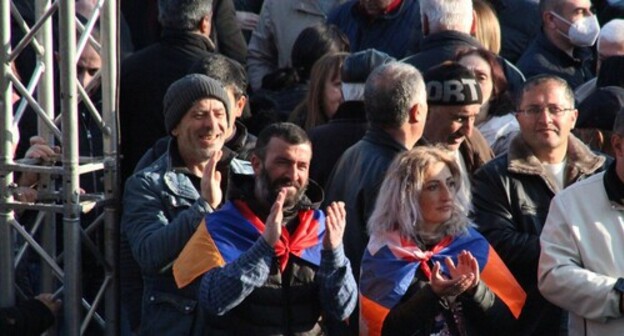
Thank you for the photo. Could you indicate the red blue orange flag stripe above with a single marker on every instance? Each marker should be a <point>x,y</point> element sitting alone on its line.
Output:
<point>224,235</point>
<point>388,269</point>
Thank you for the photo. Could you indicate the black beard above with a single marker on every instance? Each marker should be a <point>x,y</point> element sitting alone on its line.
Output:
<point>268,190</point>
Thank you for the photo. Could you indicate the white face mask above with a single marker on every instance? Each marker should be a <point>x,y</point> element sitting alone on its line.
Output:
<point>583,32</point>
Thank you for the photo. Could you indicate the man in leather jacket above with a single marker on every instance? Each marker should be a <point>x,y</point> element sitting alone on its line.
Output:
<point>511,193</point>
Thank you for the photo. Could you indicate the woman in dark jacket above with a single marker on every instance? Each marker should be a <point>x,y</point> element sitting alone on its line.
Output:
<point>426,271</point>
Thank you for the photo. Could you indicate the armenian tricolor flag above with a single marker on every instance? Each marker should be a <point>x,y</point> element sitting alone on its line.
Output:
<point>390,264</point>
<point>224,235</point>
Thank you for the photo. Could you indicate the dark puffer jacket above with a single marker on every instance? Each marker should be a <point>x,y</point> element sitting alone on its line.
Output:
<point>511,198</point>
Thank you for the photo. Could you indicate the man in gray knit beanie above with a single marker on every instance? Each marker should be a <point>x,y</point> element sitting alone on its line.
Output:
<point>184,94</point>
<point>196,109</point>
<point>165,202</point>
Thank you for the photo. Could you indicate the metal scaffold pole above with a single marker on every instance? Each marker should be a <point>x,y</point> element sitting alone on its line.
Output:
<point>110,68</point>
<point>7,292</point>
<point>69,223</point>
<point>71,190</point>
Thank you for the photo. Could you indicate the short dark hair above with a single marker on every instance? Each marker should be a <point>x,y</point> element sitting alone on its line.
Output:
<point>286,131</point>
<point>224,69</point>
<point>550,5</point>
<point>541,79</point>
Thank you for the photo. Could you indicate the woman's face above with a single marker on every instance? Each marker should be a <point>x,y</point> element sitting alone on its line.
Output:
<point>437,196</point>
<point>482,71</point>
<point>332,96</point>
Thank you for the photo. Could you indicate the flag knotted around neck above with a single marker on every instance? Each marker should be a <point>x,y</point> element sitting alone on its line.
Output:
<point>390,263</point>
<point>224,235</point>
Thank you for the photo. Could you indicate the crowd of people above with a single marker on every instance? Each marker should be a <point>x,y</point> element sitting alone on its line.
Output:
<point>372,167</point>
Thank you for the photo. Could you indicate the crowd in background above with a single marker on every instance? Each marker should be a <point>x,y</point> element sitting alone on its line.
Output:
<point>458,166</point>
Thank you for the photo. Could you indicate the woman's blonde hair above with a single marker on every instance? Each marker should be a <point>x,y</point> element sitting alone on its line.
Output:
<point>397,207</point>
<point>488,26</point>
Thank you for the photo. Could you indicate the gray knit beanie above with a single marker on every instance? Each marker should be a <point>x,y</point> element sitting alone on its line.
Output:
<point>184,92</point>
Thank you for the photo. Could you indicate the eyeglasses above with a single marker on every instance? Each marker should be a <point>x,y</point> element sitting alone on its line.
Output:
<point>535,110</point>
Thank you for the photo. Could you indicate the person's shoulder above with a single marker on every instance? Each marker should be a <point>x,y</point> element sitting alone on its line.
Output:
<point>495,167</point>
<point>151,173</point>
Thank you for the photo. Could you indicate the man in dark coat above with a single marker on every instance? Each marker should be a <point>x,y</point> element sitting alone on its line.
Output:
<point>447,28</point>
<point>560,48</point>
<point>396,108</point>
<point>511,193</point>
<point>146,75</point>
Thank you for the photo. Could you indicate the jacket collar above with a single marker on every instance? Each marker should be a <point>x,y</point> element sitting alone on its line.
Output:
<point>614,186</point>
<point>176,175</point>
<point>376,135</point>
<point>187,38</point>
<point>580,161</point>
<point>238,141</point>
<point>350,110</point>
<point>580,54</point>
<point>448,37</point>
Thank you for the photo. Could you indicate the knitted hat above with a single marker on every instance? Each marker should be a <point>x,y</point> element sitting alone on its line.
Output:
<point>451,83</point>
<point>184,92</point>
<point>359,65</point>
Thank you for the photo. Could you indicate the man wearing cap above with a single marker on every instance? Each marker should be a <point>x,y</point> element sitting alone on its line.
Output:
<point>511,193</point>
<point>164,203</point>
<point>454,98</point>
<point>348,125</point>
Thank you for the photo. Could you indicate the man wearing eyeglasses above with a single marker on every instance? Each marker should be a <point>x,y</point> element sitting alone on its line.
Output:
<point>512,193</point>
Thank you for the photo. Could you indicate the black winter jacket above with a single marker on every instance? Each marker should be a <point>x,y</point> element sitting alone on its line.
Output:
<point>145,77</point>
<point>543,57</point>
<point>511,198</point>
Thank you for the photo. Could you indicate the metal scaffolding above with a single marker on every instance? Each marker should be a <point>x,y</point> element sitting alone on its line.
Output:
<point>60,249</point>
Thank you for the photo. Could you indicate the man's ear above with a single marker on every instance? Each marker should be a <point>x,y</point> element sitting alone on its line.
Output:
<point>473,26</point>
<point>548,20</point>
<point>256,164</point>
<point>414,114</point>
<point>240,105</point>
<point>574,117</point>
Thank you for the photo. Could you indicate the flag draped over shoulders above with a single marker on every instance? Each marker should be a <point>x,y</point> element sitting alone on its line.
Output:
<point>390,263</point>
<point>224,235</point>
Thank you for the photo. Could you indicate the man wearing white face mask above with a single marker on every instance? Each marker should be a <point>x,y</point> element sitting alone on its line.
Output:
<point>562,47</point>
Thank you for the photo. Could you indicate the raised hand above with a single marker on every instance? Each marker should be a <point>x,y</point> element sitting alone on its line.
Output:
<point>466,265</point>
<point>48,299</point>
<point>273,224</point>
<point>39,149</point>
<point>335,225</point>
<point>211,181</point>
<point>443,287</point>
